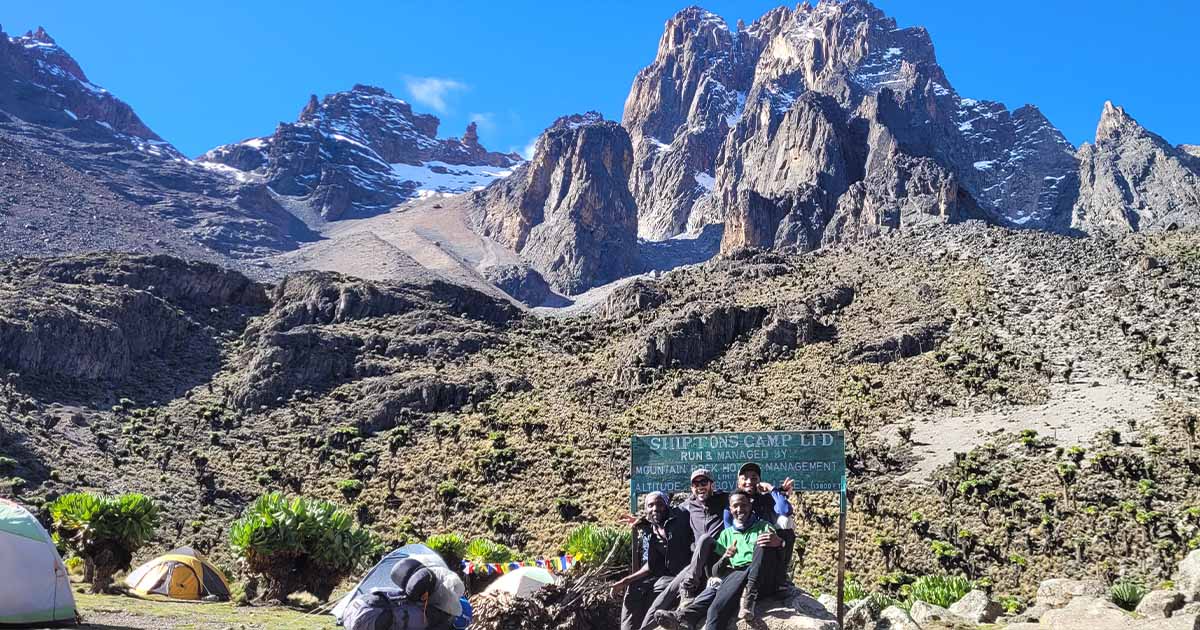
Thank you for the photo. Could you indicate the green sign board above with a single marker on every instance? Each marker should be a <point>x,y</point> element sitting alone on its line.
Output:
<point>815,460</point>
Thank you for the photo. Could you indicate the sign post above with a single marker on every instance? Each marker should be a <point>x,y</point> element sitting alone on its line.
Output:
<point>815,460</point>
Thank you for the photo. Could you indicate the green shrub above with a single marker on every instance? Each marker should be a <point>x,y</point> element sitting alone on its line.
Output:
<point>7,464</point>
<point>298,544</point>
<point>939,590</point>
<point>448,491</point>
<point>104,531</point>
<point>1011,604</point>
<point>599,546</point>
<point>350,488</point>
<point>451,547</point>
<point>484,550</point>
<point>1127,593</point>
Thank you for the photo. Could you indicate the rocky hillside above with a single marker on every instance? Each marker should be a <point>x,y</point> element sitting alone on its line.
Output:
<point>82,172</point>
<point>830,123</point>
<point>940,350</point>
<point>361,152</point>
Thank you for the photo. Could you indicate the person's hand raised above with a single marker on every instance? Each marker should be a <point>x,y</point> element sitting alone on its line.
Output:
<point>768,539</point>
<point>787,485</point>
<point>731,549</point>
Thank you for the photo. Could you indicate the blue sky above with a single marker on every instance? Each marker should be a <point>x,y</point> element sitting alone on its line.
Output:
<point>207,73</point>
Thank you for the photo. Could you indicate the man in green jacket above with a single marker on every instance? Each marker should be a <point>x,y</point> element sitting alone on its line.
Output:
<point>749,551</point>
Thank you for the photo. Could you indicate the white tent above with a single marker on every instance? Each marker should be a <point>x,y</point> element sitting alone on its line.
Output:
<point>519,583</point>
<point>34,587</point>
<point>446,599</point>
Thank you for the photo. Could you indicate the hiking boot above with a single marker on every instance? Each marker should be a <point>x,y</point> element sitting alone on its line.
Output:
<point>670,619</point>
<point>746,610</point>
<point>714,582</point>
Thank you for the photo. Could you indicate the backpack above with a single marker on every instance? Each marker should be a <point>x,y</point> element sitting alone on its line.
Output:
<point>403,608</point>
<point>386,609</point>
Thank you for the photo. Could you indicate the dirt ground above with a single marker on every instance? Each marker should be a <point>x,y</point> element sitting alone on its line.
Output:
<point>116,612</point>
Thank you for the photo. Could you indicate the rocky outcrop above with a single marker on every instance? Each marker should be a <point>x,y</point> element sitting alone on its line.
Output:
<point>793,610</point>
<point>101,318</point>
<point>1132,180</point>
<point>976,607</point>
<point>568,211</point>
<point>520,282</point>
<point>324,329</point>
<point>360,152</point>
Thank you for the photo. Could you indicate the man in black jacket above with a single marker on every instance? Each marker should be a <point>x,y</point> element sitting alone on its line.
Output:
<point>705,509</point>
<point>664,537</point>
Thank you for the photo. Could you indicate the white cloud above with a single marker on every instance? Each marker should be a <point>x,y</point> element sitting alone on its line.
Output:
<point>527,152</point>
<point>432,91</point>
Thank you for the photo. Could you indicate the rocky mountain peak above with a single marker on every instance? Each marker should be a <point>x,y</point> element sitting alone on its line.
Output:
<point>1131,179</point>
<point>40,36</point>
<point>49,86</point>
<point>568,211</point>
<point>1114,122</point>
<point>310,108</point>
<point>360,152</point>
<point>575,121</point>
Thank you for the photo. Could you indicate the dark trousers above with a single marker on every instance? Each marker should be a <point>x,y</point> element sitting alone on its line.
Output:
<point>719,605</point>
<point>688,582</point>
<point>638,597</point>
<point>784,575</point>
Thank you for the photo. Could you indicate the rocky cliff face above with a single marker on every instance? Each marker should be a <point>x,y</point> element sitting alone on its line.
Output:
<point>568,211</point>
<point>360,152</point>
<point>82,172</point>
<point>1132,180</point>
<point>722,133</point>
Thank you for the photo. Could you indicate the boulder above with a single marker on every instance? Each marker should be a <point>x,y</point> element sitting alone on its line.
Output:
<point>1086,612</point>
<point>860,614</point>
<point>1059,592</point>
<point>1160,604</point>
<point>895,618</point>
<point>794,610</point>
<point>924,612</point>
<point>1192,608</point>
<point>1187,576</point>
<point>829,602</point>
<point>977,607</point>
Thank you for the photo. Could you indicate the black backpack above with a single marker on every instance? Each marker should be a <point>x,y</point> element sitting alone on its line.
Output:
<point>403,608</point>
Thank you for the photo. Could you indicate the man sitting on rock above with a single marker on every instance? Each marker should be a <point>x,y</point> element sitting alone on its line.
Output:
<point>705,508</point>
<point>664,539</point>
<point>748,567</point>
<point>772,506</point>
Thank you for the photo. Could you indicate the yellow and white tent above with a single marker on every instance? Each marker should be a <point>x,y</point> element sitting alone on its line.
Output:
<point>34,588</point>
<point>180,574</point>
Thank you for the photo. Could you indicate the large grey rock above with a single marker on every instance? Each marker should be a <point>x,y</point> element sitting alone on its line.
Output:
<point>568,210</point>
<point>828,602</point>
<point>795,610</point>
<point>1160,604</point>
<point>924,612</point>
<point>1187,576</point>
<point>860,614</point>
<point>895,618</point>
<point>1088,612</point>
<point>1059,592</point>
<point>976,606</point>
